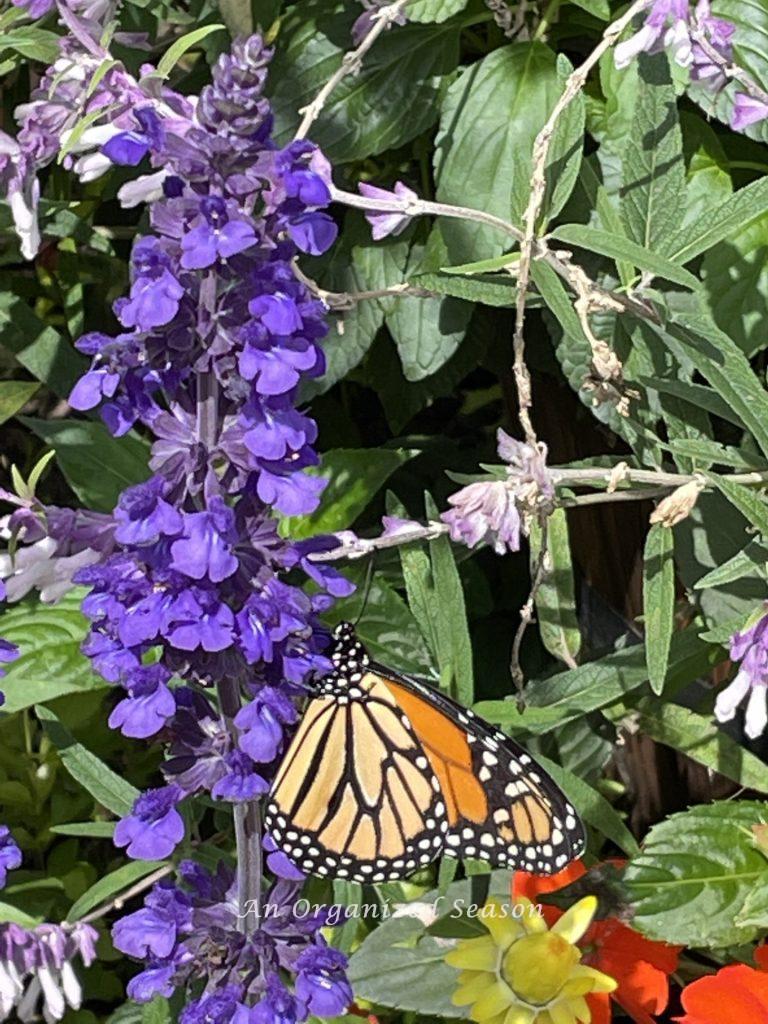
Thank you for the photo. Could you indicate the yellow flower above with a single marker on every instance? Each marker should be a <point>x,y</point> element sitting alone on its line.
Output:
<point>523,972</point>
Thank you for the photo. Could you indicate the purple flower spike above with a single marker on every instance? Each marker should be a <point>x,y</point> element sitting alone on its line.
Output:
<point>10,854</point>
<point>387,222</point>
<point>154,828</point>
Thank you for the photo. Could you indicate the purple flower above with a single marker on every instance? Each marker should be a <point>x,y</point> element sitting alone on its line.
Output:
<point>276,1006</point>
<point>719,34</point>
<point>216,235</point>
<point>279,313</point>
<point>485,512</point>
<point>155,292</point>
<point>750,647</point>
<point>204,550</point>
<point>321,982</point>
<point>215,1008</point>
<point>279,864</point>
<point>35,8</point>
<point>199,619</point>
<point>156,980</point>
<point>367,19</point>
<point>240,782</point>
<point>143,516</point>
<point>130,148</point>
<point>391,221</point>
<point>154,828</point>
<point>149,705</point>
<point>10,854</point>
<point>747,110</point>
<point>155,929</point>
<point>261,724</point>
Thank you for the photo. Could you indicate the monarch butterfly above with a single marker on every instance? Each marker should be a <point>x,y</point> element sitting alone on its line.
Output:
<point>385,773</point>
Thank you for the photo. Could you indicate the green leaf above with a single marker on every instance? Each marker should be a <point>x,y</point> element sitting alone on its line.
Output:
<point>556,597</point>
<point>653,169</point>
<point>97,466</point>
<point>699,872</point>
<point>736,281</point>
<point>14,395</point>
<point>38,346</point>
<point>86,829</point>
<point>593,807</point>
<point>354,477</point>
<point>729,217</point>
<point>392,99</point>
<point>176,51</point>
<point>745,563</point>
<point>694,735</point>
<point>491,290</point>
<point>693,338</point>
<point>750,503</point>
<point>658,602</point>
<point>158,1011</point>
<point>50,664</point>
<point>507,259</point>
<point>110,885</point>
<point>427,332</point>
<point>619,248</point>
<point>13,915</point>
<point>32,42</point>
<point>104,785</point>
<point>488,123</point>
<point>434,10</point>
<point>597,684</point>
<point>597,8</point>
<point>695,394</point>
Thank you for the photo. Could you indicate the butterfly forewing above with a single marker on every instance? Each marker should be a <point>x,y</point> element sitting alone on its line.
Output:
<point>355,796</point>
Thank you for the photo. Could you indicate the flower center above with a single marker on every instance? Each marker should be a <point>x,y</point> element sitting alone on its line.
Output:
<point>537,966</point>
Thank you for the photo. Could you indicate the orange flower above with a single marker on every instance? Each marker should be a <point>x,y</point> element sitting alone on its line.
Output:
<point>738,995</point>
<point>641,967</point>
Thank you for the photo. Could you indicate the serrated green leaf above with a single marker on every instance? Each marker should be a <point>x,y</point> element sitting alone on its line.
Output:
<point>489,290</point>
<point>698,872</point>
<point>653,168</point>
<point>489,120</point>
<point>104,785</point>
<point>50,664</point>
<point>731,215</point>
<point>658,602</point>
<point>111,885</point>
<point>176,51</point>
<point>621,249</point>
<point>98,467</point>
<point>14,395</point>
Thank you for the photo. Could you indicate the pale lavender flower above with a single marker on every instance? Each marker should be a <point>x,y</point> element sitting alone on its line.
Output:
<point>719,34</point>
<point>10,854</point>
<point>750,647</point>
<point>387,222</point>
<point>36,967</point>
<point>666,26</point>
<point>747,110</point>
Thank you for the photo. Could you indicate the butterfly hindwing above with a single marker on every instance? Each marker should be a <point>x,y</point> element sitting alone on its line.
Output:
<point>355,796</point>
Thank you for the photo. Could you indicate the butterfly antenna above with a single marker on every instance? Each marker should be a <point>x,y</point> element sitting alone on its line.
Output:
<point>367,584</point>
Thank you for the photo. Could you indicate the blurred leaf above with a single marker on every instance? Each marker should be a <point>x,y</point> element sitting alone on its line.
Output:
<point>111,885</point>
<point>658,602</point>
<point>434,10</point>
<point>176,51</point>
<point>354,477</point>
<point>86,829</point>
<point>50,664</point>
<point>489,120</point>
<point>97,466</point>
<point>38,346</point>
<point>698,873</point>
<point>104,785</point>
<point>653,186</point>
<point>736,281</point>
<point>14,395</point>
<point>158,1011</point>
<point>31,42</point>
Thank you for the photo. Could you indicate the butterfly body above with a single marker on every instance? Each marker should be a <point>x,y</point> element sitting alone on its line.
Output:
<point>385,773</point>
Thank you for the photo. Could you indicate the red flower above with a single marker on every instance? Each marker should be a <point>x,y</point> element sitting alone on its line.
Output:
<point>737,994</point>
<point>641,967</point>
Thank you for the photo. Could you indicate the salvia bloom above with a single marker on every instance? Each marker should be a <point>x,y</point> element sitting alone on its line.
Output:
<point>749,648</point>
<point>496,512</point>
<point>697,40</point>
<point>37,972</point>
<point>191,587</point>
<point>10,854</point>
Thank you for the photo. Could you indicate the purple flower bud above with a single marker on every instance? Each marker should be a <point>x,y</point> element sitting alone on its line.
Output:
<point>388,222</point>
<point>10,854</point>
<point>154,828</point>
<point>747,110</point>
